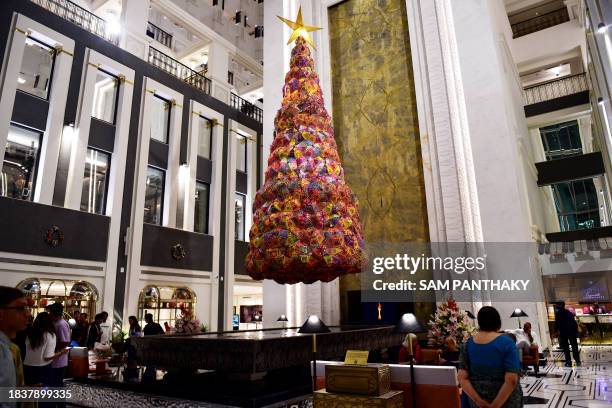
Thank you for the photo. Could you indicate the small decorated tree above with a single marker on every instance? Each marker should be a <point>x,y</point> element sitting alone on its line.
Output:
<point>449,321</point>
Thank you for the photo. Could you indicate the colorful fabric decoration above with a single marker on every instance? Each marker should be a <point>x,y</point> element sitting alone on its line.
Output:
<point>306,224</point>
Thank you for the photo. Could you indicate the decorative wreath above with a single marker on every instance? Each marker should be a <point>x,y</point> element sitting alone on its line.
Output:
<point>54,236</point>
<point>178,252</point>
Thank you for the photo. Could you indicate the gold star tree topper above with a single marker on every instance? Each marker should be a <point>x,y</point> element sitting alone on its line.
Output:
<point>299,28</point>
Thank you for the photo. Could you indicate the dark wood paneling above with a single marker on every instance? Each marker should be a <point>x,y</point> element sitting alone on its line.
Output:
<point>158,154</point>
<point>157,243</point>
<point>570,168</point>
<point>30,110</point>
<point>242,182</point>
<point>23,225</point>
<point>580,98</point>
<point>579,235</point>
<point>185,124</point>
<point>102,135</point>
<point>204,170</point>
<point>241,249</point>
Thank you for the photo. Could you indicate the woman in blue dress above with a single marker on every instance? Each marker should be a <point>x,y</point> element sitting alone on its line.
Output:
<point>489,365</point>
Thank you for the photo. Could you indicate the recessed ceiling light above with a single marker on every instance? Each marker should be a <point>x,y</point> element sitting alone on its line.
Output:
<point>21,80</point>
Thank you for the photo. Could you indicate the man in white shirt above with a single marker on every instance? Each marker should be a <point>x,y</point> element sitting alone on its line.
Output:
<point>106,329</point>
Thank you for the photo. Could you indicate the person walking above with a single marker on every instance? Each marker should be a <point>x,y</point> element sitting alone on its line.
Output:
<point>567,329</point>
<point>489,366</point>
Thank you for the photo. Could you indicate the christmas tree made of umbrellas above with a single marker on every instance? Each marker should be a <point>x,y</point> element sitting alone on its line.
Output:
<point>305,218</point>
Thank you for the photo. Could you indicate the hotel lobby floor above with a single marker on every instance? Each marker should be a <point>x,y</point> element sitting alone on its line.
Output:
<point>588,386</point>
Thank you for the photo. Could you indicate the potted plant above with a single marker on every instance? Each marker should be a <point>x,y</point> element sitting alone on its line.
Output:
<point>119,344</point>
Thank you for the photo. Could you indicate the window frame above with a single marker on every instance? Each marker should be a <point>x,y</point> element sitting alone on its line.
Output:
<point>51,73</point>
<point>547,131</point>
<point>169,114</point>
<point>207,220</point>
<point>163,193</point>
<point>246,152</point>
<point>564,214</point>
<point>106,184</point>
<point>36,163</point>
<point>210,137</point>
<point>116,105</point>
<point>243,196</point>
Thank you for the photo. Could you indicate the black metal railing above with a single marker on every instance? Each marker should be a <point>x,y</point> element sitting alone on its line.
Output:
<point>159,35</point>
<point>540,22</point>
<point>175,68</point>
<point>556,88</point>
<point>81,17</point>
<point>246,107</point>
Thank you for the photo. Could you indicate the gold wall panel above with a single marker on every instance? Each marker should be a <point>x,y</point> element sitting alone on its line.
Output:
<point>376,124</point>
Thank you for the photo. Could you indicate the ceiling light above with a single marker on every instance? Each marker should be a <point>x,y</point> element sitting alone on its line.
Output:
<point>21,80</point>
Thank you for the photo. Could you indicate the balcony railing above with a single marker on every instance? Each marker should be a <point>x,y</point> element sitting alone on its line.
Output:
<point>81,17</point>
<point>175,68</point>
<point>556,88</point>
<point>159,35</point>
<point>540,22</point>
<point>246,107</point>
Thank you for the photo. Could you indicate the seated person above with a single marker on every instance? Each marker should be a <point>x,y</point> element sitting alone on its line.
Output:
<point>524,339</point>
<point>417,355</point>
<point>451,354</point>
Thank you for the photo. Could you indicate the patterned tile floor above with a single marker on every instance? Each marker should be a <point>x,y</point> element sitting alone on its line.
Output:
<point>588,386</point>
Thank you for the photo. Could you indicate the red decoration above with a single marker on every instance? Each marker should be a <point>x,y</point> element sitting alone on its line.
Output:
<point>43,302</point>
<point>305,218</point>
<point>30,302</point>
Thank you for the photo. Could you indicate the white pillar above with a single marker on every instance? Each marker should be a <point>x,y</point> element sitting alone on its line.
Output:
<point>134,19</point>
<point>218,65</point>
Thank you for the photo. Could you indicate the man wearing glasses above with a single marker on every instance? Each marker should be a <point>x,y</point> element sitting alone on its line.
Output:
<point>14,315</point>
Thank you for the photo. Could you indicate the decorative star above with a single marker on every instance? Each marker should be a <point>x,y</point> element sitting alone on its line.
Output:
<point>299,29</point>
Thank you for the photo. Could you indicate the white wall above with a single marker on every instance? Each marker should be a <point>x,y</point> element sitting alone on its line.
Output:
<point>545,46</point>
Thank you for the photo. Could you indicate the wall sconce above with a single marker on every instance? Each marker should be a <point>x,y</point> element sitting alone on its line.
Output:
<point>602,28</point>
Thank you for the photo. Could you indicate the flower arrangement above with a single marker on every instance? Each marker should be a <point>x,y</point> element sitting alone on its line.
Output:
<point>187,323</point>
<point>448,321</point>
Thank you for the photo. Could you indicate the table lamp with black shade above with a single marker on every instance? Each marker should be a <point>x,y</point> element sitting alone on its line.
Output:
<point>519,313</point>
<point>283,319</point>
<point>313,325</point>
<point>409,324</point>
